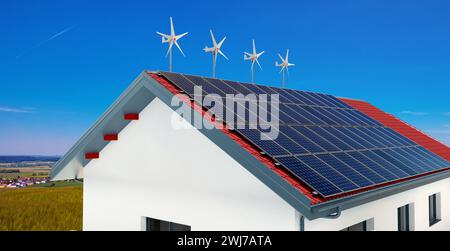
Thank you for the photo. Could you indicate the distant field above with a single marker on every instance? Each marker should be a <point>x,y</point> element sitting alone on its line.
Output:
<point>24,175</point>
<point>42,208</point>
<point>25,172</point>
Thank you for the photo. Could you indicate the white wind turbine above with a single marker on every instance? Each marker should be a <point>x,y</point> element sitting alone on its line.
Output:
<point>253,57</point>
<point>215,50</point>
<point>284,66</point>
<point>171,40</point>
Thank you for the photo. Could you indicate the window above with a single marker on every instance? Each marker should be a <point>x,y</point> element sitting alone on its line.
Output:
<point>160,225</point>
<point>434,207</point>
<point>367,225</point>
<point>405,217</point>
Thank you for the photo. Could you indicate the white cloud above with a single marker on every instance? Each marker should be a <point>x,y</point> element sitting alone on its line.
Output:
<point>15,110</point>
<point>415,113</point>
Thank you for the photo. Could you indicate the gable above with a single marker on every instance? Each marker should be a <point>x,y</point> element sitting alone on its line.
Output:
<point>178,175</point>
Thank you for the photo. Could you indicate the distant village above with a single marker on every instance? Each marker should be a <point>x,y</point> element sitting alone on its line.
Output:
<point>20,182</point>
<point>20,172</point>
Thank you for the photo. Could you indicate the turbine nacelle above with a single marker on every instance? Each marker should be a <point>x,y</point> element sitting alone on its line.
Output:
<point>284,62</point>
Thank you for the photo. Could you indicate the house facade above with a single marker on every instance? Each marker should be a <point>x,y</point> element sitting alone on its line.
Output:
<point>141,173</point>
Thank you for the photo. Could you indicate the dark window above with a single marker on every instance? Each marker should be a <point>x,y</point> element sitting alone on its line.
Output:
<point>362,226</point>
<point>403,213</point>
<point>434,210</point>
<point>160,225</point>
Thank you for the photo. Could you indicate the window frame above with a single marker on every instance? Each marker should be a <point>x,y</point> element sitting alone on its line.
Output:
<point>434,209</point>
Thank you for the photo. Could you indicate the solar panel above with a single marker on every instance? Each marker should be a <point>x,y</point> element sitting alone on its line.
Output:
<point>330,146</point>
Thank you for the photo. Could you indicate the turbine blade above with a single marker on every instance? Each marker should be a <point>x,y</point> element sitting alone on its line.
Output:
<point>221,42</point>
<point>208,49</point>
<point>170,48</point>
<point>282,59</point>
<point>172,29</point>
<point>254,47</point>
<point>221,53</point>
<point>162,34</point>
<point>260,54</point>
<point>179,48</point>
<point>213,39</point>
<point>258,64</point>
<point>182,35</point>
<point>287,56</point>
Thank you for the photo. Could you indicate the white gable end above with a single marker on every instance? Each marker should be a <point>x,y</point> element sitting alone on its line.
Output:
<point>180,176</point>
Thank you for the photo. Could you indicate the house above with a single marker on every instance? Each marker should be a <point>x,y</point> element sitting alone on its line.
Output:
<point>333,163</point>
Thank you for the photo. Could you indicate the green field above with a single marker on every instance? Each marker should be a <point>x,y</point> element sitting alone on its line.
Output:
<point>42,208</point>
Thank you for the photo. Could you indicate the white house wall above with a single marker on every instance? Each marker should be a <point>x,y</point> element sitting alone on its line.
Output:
<point>178,176</point>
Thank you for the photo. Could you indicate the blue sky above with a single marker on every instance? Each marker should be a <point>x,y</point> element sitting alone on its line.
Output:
<point>62,63</point>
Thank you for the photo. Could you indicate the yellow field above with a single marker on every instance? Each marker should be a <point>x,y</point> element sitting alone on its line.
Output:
<point>48,209</point>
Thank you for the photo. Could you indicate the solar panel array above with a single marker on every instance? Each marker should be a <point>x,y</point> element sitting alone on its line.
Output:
<point>328,145</point>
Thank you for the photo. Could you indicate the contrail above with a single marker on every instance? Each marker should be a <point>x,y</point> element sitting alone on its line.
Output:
<point>14,110</point>
<point>46,41</point>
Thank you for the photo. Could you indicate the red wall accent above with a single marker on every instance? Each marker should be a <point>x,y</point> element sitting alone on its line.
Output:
<point>110,137</point>
<point>401,127</point>
<point>131,116</point>
<point>92,155</point>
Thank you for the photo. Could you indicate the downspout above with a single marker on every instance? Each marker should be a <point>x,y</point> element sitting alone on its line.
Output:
<point>302,223</point>
<point>335,215</point>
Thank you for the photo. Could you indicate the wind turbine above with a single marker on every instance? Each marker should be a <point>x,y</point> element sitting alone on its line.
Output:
<point>171,40</point>
<point>253,57</point>
<point>284,66</point>
<point>215,50</point>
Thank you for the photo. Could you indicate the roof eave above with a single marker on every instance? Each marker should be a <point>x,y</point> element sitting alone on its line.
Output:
<point>330,207</point>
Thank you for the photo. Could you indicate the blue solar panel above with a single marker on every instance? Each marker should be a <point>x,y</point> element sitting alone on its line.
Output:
<point>268,146</point>
<point>309,176</point>
<point>290,145</point>
<point>328,172</point>
<point>290,109</point>
<point>316,138</point>
<point>327,144</point>
<point>426,154</point>
<point>311,117</point>
<point>389,165</point>
<point>369,174</point>
<point>304,141</point>
<point>345,170</point>
<point>344,138</point>
<point>373,166</point>
<point>331,138</point>
<point>398,163</point>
